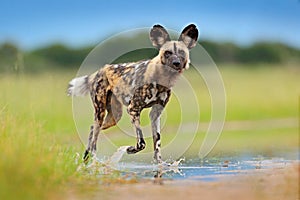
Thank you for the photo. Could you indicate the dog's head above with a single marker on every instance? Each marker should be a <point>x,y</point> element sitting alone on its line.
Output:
<point>174,54</point>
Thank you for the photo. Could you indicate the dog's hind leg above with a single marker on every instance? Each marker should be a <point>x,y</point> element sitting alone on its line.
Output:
<point>94,129</point>
<point>99,117</point>
<point>86,153</point>
<point>93,137</point>
<point>99,100</point>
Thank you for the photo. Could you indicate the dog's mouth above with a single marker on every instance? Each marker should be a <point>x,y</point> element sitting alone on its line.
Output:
<point>176,69</point>
<point>179,69</point>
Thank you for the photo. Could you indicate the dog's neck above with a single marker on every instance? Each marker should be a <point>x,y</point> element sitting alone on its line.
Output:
<point>161,74</point>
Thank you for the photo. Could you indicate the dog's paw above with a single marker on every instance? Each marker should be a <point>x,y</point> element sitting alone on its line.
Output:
<point>86,156</point>
<point>158,161</point>
<point>131,150</point>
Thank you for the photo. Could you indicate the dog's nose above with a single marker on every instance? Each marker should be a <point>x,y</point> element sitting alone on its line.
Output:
<point>176,63</point>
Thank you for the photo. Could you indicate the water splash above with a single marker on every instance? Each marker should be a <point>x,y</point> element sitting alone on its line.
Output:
<point>112,164</point>
<point>172,167</point>
<point>177,162</point>
<point>101,167</point>
<point>117,156</point>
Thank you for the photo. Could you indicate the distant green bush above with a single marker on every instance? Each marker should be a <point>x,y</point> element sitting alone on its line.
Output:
<point>62,56</point>
<point>11,59</point>
<point>222,52</point>
<point>261,52</point>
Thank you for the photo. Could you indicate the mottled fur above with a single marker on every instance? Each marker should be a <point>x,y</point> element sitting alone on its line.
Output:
<point>136,85</point>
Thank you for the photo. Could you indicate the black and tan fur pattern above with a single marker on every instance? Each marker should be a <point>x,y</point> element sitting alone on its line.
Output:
<point>136,85</point>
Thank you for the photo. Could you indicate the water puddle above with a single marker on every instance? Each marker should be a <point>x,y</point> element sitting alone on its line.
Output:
<point>193,169</point>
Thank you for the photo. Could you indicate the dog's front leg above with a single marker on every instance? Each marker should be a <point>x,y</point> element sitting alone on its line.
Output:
<point>155,124</point>
<point>135,119</point>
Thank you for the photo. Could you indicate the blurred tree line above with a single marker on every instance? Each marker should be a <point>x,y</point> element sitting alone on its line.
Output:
<point>260,52</point>
<point>58,56</point>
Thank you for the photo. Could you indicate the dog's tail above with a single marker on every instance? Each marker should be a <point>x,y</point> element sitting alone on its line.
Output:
<point>81,86</point>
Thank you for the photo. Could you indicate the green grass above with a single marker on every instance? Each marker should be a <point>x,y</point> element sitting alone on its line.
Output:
<point>261,92</point>
<point>38,139</point>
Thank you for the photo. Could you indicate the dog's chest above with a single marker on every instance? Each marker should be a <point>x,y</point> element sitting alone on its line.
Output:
<point>149,94</point>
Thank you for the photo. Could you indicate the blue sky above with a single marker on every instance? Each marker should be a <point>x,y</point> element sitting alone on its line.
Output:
<point>35,23</point>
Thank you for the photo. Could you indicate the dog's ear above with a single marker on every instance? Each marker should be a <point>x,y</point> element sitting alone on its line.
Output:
<point>159,36</point>
<point>189,36</point>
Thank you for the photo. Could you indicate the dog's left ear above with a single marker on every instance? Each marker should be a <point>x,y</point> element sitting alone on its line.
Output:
<point>159,36</point>
<point>189,36</point>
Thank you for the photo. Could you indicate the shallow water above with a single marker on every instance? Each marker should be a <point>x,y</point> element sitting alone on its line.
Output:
<point>210,169</point>
<point>194,170</point>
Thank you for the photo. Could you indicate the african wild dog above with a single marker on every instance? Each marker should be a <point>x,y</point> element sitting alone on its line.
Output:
<point>136,85</point>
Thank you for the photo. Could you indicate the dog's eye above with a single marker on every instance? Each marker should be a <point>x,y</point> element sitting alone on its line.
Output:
<point>181,53</point>
<point>168,53</point>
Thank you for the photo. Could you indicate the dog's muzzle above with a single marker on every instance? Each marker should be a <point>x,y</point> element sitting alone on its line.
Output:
<point>176,63</point>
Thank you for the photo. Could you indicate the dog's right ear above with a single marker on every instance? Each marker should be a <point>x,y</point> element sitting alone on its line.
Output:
<point>159,36</point>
